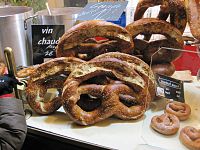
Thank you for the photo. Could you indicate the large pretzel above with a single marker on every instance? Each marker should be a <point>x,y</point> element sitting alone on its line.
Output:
<point>193,17</point>
<point>137,64</point>
<point>156,26</point>
<point>133,88</point>
<point>45,76</point>
<point>190,137</point>
<point>73,44</point>
<point>176,9</point>
<point>167,69</point>
<point>25,72</point>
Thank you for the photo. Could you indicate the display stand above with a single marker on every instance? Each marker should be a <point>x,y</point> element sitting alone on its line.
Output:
<point>113,133</point>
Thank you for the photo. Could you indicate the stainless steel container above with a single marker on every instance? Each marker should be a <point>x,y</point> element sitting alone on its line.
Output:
<point>13,34</point>
<point>59,16</point>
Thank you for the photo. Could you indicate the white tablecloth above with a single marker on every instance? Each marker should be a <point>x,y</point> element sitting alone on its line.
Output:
<point>126,135</point>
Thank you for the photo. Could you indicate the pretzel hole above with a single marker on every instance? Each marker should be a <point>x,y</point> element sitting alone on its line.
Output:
<point>153,11</point>
<point>169,121</point>
<point>82,56</point>
<point>51,94</point>
<point>127,100</point>
<point>159,120</point>
<point>153,37</point>
<point>88,102</point>
<point>99,80</point>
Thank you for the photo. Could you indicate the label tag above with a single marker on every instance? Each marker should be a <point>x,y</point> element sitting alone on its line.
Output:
<point>103,11</point>
<point>45,39</point>
<point>170,88</point>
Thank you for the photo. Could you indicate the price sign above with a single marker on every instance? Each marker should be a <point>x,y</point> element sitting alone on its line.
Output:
<point>170,88</point>
<point>45,39</point>
<point>102,11</point>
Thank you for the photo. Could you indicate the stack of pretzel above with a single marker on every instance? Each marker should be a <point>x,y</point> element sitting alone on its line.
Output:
<point>94,79</point>
<point>98,79</point>
<point>123,89</point>
<point>152,51</point>
<point>111,84</point>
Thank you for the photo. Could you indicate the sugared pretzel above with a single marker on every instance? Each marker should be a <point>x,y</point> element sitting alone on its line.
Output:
<point>166,124</point>
<point>75,39</point>
<point>156,26</point>
<point>2,68</point>
<point>176,9</point>
<point>132,88</point>
<point>193,17</point>
<point>167,69</point>
<point>190,137</point>
<point>181,110</point>
<point>45,76</point>
<point>136,64</point>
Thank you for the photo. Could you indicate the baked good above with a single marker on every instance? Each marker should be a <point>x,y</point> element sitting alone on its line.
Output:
<point>175,8</point>
<point>181,110</point>
<point>25,72</point>
<point>167,69</point>
<point>137,65</point>
<point>190,137</point>
<point>50,74</point>
<point>75,43</point>
<point>166,124</point>
<point>193,17</point>
<point>130,87</point>
<point>155,26</point>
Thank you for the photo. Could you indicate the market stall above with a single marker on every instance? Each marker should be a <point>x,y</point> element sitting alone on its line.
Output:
<point>100,85</point>
<point>117,134</point>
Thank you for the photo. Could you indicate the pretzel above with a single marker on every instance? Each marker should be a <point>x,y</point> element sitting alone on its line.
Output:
<point>144,50</point>
<point>84,49</point>
<point>45,76</point>
<point>136,64</point>
<point>176,9</point>
<point>132,88</point>
<point>193,17</point>
<point>70,42</point>
<point>155,26</point>
<point>151,48</point>
<point>190,137</point>
<point>2,68</point>
<point>25,72</point>
<point>166,124</point>
<point>167,69</point>
<point>181,110</point>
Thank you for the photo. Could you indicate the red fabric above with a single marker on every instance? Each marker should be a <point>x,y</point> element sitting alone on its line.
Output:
<point>188,61</point>
<point>6,96</point>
